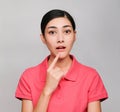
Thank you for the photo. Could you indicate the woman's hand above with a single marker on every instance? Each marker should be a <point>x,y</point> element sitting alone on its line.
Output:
<point>54,75</point>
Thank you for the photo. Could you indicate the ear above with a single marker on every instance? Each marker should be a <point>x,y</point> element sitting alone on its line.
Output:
<point>75,35</point>
<point>43,38</point>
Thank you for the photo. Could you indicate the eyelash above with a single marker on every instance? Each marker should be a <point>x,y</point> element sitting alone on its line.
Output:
<point>54,32</point>
<point>67,31</point>
<point>51,32</point>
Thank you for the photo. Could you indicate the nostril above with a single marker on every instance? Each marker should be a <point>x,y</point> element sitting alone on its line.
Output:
<point>60,41</point>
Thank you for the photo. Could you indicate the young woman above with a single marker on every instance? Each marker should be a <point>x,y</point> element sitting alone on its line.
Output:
<point>60,83</point>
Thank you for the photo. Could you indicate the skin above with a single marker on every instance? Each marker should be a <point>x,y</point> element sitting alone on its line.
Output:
<point>59,37</point>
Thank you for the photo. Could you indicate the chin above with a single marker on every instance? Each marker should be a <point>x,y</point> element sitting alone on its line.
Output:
<point>63,56</point>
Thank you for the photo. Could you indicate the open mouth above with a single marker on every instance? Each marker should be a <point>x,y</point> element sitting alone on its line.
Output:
<point>60,47</point>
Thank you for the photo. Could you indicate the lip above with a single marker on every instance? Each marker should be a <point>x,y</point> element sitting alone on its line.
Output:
<point>60,48</point>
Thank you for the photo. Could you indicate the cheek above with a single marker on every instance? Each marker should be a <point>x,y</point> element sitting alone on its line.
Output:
<point>71,40</point>
<point>50,43</point>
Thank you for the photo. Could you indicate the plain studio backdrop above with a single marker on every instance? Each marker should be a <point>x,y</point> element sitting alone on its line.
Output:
<point>97,44</point>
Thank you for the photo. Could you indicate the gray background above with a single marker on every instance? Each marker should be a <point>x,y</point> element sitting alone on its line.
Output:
<point>97,45</point>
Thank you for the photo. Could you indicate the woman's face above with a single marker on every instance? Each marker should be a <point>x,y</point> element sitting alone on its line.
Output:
<point>59,36</point>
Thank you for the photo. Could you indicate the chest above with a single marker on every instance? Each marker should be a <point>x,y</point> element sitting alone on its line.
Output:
<point>68,97</point>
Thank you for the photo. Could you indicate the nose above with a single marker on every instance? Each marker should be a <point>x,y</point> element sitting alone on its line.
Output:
<point>60,38</point>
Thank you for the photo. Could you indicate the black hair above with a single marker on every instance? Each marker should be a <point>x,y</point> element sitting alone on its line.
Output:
<point>55,13</point>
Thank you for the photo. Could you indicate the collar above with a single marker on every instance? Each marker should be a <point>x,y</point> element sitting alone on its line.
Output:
<point>72,73</point>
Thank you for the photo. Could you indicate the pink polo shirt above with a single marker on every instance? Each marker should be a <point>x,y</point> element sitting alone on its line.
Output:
<point>81,85</point>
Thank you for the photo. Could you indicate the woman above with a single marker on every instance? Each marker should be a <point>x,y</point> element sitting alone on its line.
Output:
<point>60,83</point>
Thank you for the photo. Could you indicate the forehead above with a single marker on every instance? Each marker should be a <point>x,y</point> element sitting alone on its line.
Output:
<point>59,22</point>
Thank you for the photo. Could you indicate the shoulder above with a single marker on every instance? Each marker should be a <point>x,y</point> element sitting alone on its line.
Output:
<point>35,71</point>
<point>85,70</point>
<point>89,76</point>
<point>32,70</point>
<point>83,67</point>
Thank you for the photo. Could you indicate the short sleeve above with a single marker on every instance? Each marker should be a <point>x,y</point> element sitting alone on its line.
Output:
<point>97,90</point>
<point>23,90</point>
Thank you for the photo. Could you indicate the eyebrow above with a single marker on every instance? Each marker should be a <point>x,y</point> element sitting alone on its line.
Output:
<point>56,27</point>
<point>67,26</point>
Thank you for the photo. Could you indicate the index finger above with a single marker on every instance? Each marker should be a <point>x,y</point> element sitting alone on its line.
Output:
<point>54,62</point>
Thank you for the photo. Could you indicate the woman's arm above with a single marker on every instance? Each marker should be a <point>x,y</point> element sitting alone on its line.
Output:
<point>27,106</point>
<point>41,106</point>
<point>43,102</point>
<point>94,106</point>
<point>54,75</point>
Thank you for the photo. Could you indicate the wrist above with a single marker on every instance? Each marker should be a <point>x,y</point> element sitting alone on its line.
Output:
<point>46,92</point>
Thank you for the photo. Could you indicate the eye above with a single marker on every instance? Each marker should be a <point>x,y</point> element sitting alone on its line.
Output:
<point>52,32</point>
<point>67,31</point>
